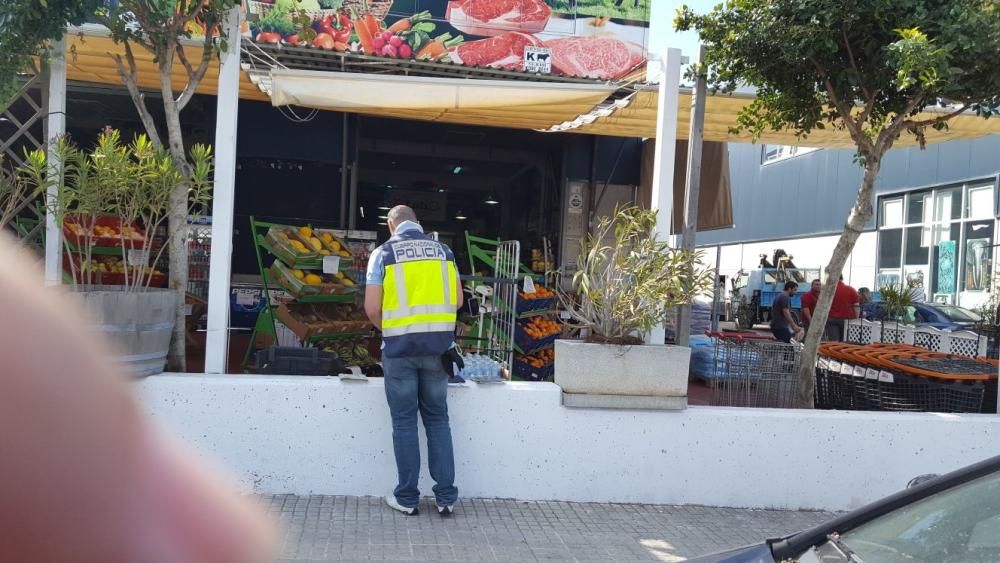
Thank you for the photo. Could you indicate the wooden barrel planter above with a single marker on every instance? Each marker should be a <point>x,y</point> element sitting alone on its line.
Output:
<point>138,324</point>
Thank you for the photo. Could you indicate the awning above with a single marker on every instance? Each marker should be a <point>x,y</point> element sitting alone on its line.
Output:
<point>636,117</point>
<point>589,108</point>
<point>500,103</point>
<point>89,59</point>
<point>715,201</point>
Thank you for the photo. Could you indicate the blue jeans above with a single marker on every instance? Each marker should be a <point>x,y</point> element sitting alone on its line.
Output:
<point>413,384</point>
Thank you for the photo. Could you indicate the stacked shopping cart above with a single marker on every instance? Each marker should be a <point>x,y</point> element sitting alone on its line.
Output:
<point>753,370</point>
<point>900,377</point>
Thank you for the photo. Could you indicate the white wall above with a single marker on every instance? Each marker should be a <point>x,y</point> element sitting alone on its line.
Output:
<point>317,435</point>
<point>808,252</point>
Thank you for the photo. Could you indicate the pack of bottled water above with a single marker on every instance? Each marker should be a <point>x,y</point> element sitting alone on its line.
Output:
<point>481,369</point>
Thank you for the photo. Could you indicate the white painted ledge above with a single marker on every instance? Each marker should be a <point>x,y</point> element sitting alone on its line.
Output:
<point>322,436</point>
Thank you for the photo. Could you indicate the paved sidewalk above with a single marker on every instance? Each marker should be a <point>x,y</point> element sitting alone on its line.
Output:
<point>328,528</point>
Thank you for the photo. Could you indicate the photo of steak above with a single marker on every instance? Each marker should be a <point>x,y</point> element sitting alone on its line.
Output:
<point>495,17</point>
<point>596,56</point>
<point>503,51</point>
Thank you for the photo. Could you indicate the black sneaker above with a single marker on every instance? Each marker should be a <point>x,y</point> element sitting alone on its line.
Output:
<point>446,511</point>
<point>394,504</point>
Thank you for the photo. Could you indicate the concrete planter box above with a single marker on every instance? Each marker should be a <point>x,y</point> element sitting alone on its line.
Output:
<point>633,377</point>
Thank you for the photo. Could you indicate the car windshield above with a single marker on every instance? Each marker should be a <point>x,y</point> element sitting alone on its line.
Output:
<point>960,525</point>
<point>958,314</point>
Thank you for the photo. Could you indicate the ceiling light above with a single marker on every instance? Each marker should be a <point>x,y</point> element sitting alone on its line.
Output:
<point>383,217</point>
<point>388,186</point>
<point>384,208</point>
<point>441,190</point>
<point>491,200</point>
<point>383,223</point>
<point>362,212</point>
<point>460,216</point>
<point>457,170</point>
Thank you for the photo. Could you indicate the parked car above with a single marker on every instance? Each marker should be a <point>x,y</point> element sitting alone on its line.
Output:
<point>954,518</point>
<point>937,315</point>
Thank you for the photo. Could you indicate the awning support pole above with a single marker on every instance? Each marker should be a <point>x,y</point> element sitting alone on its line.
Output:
<point>692,186</point>
<point>223,199</point>
<point>663,160</point>
<point>54,90</point>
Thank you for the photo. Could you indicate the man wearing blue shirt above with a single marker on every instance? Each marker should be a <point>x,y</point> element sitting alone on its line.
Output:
<point>413,295</point>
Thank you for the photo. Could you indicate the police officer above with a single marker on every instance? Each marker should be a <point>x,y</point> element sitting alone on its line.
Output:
<point>413,295</point>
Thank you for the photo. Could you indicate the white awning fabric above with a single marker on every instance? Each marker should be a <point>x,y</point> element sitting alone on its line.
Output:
<point>501,103</point>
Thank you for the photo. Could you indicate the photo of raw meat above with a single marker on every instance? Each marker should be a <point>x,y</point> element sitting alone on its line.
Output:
<point>503,51</point>
<point>494,17</point>
<point>597,56</point>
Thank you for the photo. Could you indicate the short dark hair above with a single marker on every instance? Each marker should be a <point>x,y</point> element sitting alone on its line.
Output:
<point>815,281</point>
<point>791,285</point>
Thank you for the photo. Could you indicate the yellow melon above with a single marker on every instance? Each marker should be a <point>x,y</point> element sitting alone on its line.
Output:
<point>313,279</point>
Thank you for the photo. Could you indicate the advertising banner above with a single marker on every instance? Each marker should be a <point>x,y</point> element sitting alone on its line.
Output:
<point>598,39</point>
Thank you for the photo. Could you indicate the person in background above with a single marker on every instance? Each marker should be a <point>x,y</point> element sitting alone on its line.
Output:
<point>846,306</point>
<point>783,325</point>
<point>809,300</point>
<point>413,296</point>
<point>865,301</point>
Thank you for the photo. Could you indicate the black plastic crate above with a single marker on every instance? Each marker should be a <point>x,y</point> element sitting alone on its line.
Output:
<point>525,371</point>
<point>298,361</point>
<point>533,306</point>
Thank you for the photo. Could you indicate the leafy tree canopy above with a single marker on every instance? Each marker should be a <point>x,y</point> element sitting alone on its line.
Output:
<point>25,28</point>
<point>813,62</point>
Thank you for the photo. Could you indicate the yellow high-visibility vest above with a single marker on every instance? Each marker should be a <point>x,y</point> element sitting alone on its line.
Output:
<point>419,296</point>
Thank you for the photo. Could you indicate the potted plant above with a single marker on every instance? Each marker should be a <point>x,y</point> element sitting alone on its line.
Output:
<point>627,282</point>
<point>897,300</point>
<point>111,201</point>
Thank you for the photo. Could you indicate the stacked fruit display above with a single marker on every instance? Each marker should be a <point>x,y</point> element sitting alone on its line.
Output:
<point>537,366</point>
<point>105,232</point>
<point>309,321</point>
<point>538,301</point>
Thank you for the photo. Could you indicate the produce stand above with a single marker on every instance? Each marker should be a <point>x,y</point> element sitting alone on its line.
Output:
<point>900,377</point>
<point>518,328</point>
<point>315,325</point>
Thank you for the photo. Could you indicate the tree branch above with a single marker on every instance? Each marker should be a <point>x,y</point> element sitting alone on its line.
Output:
<point>850,54</point>
<point>936,120</point>
<point>855,127</point>
<point>129,78</point>
<point>195,76</point>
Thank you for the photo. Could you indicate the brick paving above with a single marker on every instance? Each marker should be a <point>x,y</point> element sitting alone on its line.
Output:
<point>338,528</point>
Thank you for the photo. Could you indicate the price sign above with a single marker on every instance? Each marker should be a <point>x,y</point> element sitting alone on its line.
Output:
<point>859,372</point>
<point>137,257</point>
<point>846,369</point>
<point>529,285</point>
<point>331,264</point>
<point>885,377</point>
<point>871,373</point>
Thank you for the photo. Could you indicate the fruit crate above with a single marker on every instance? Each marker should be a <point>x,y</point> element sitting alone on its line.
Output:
<point>528,307</point>
<point>77,239</point>
<point>298,288</point>
<point>319,320</point>
<point>528,372</point>
<point>297,361</point>
<point>278,241</point>
<point>109,278</point>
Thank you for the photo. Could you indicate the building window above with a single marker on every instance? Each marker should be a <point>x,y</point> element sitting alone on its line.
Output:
<point>777,153</point>
<point>940,239</point>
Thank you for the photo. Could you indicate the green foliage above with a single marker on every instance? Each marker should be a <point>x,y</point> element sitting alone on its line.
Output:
<point>628,278</point>
<point>812,62</point>
<point>26,27</point>
<point>15,195</point>
<point>897,299</point>
<point>133,182</point>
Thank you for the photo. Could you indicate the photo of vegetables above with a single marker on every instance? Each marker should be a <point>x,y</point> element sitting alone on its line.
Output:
<point>483,33</point>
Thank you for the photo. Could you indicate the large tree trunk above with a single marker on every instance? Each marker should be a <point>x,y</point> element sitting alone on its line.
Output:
<point>177,221</point>
<point>860,214</point>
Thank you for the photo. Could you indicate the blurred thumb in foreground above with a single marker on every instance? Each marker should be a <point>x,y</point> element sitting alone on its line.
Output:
<point>85,477</point>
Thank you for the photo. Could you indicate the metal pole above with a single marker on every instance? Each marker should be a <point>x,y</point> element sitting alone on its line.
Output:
<point>352,208</point>
<point>54,89</point>
<point>663,161</point>
<point>223,200</point>
<point>716,289</point>
<point>692,185</point>
<point>344,155</point>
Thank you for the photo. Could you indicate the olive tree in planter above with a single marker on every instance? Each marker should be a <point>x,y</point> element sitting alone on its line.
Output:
<point>626,282</point>
<point>135,183</point>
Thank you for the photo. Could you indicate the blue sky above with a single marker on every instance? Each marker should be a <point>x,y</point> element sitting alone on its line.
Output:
<point>661,27</point>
